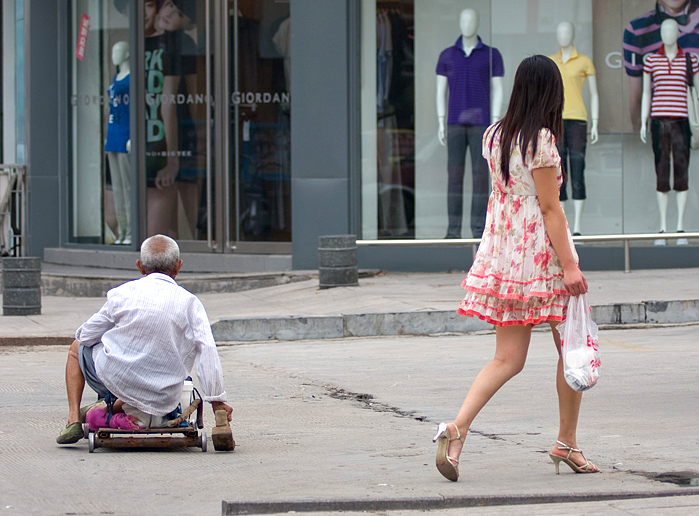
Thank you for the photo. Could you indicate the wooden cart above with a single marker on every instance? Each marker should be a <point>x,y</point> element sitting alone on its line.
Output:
<point>173,436</point>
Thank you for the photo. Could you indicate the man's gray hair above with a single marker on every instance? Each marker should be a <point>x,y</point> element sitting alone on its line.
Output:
<point>159,253</point>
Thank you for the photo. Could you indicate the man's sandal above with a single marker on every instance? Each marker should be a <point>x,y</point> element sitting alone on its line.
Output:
<point>72,433</point>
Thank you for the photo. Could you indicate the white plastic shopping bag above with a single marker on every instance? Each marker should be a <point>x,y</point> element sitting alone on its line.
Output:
<point>579,345</point>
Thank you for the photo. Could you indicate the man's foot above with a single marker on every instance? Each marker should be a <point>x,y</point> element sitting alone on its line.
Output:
<point>72,433</point>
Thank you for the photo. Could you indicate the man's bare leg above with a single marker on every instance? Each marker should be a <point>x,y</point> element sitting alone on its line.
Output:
<point>75,383</point>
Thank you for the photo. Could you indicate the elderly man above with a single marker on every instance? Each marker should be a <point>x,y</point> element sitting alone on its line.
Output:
<point>142,344</point>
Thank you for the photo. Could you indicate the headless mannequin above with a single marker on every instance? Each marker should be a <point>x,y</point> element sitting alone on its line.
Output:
<point>468,24</point>
<point>119,160</point>
<point>565,34</point>
<point>669,33</point>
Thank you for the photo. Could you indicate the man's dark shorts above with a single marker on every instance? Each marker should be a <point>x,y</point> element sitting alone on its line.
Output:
<point>87,366</point>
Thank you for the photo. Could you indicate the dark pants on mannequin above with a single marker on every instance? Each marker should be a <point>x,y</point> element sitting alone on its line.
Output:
<point>460,138</point>
<point>671,137</point>
<point>572,147</point>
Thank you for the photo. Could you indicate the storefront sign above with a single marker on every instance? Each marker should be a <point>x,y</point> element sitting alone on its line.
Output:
<point>249,97</point>
<point>82,36</point>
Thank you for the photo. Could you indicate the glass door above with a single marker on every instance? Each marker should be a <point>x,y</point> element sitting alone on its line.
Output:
<point>259,100</point>
<point>179,125</point>
<point>200,55</point>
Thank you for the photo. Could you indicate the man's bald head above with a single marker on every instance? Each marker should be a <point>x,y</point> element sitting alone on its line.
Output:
<point>160,253</point>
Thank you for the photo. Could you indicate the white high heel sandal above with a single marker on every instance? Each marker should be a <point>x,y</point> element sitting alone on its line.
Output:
<point>447,466</point>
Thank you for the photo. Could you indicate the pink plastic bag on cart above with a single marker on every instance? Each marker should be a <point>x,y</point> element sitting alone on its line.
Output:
<point>579,345</point>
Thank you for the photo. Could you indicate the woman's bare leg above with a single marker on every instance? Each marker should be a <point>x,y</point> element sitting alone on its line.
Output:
<point>512,344</point>
<point>568,407</point>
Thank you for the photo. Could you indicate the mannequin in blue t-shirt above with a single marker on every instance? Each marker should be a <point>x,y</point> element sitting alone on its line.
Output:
<point>470,84</point>
<point>118,143</point>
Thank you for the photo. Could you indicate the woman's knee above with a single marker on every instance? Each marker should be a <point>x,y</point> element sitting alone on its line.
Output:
<point>517,367</point>
<point>511,364</point>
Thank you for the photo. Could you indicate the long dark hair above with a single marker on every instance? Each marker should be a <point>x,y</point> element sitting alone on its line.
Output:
<point>536,103</point>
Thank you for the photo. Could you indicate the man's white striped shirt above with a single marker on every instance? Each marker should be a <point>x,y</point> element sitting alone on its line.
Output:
<point>147,337</point>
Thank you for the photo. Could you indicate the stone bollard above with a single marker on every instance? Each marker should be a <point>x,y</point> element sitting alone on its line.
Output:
<point>21,286</point>
<point>337,261</point>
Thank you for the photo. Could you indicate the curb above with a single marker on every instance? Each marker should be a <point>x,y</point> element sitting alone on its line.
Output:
<point>385,324</point>
<point>427,322</point>
<point>36,341</point>
<point>79,285</point>
<point>436,502</point>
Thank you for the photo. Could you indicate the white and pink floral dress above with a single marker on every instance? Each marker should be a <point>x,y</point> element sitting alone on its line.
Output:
<point>516,277</point>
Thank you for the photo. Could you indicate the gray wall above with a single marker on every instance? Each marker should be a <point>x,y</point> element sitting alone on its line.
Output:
<point>320,138</point>
<point>592,257</point>
<point>42,128</point>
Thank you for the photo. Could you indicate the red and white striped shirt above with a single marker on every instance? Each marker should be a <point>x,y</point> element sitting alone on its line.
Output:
<point>669,82</point>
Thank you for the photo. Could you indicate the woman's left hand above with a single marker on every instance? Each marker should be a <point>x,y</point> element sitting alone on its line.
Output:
<point>574,281</point>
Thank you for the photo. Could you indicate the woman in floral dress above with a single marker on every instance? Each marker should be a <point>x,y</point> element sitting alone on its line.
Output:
<point>526,266</point>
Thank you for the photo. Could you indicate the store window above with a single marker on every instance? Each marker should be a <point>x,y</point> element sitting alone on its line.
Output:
<point>100,106</point>
<point>423,176</point>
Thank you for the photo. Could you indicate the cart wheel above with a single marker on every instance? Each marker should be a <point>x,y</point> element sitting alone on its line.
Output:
<point>204,441</point>
<point>91,442</point>
<point>86,430</point>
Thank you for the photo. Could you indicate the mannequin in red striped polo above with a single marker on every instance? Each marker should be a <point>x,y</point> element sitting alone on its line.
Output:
<point>664,102</point>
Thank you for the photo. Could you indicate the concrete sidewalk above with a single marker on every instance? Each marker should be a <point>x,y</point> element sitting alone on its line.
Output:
<point>384,304</point>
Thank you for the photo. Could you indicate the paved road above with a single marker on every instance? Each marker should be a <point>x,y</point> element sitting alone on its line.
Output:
<point>352,419</point>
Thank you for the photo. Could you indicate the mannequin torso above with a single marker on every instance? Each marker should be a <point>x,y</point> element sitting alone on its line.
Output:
<point>668,57</point>
<point>575,70</point>
<point>452,74</point>
<point>118,122</point>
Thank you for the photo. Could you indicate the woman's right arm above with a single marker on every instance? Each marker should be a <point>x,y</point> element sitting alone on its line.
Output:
<point>545,182</point>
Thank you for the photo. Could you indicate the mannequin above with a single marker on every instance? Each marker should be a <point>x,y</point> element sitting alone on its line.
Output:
<point>117,144</point>
<point>470,83</point>
<point>669,125</point>
<point>575,69</point>
<point>642,36</point>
